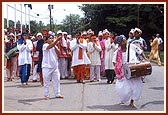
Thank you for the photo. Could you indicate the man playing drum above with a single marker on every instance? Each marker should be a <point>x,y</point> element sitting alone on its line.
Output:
<point>128,90</point>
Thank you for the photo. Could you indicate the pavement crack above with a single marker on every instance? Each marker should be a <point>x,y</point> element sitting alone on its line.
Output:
<point>83,91</point>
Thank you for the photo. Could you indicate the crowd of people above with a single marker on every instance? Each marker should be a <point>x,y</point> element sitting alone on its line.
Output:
<point>51,57</point>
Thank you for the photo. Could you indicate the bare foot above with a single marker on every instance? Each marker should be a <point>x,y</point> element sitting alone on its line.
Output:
<point>132,105</point>
<point>60,96</point>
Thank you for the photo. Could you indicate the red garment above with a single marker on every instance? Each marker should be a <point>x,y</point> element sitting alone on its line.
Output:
<point>35,57</point>
<point>79,71</point>
<point>60,47</point>
<point>9,64</point>
<point>118,65</point>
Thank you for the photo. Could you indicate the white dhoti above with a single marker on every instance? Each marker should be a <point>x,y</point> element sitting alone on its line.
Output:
<point>63,67</point>
<point>92,68</point>
<point>53,74</point>
<point>129,89</point>
<point>35,74</point>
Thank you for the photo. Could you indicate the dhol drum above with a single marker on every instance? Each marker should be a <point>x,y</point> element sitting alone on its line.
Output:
<point>133,70</point>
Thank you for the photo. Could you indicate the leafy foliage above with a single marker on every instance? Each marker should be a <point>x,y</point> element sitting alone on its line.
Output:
<point>122,17</point>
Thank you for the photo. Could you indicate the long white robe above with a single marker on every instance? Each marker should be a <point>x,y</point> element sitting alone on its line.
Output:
<point>129,89</point>
<point>94,53</point>
<point>109,53</point>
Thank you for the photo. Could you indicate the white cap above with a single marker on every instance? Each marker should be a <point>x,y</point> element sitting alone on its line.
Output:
<point>59,32</point>
<point>11,34</point>
<point>132,31</point>
<point>39,34</point>
<point>100,33</point>
<point>5,30</point>
<point>105,31</point>
<point>65,33</point>
<point>84,33</point>
<point>69,36</point>
<point>139,30</point>
<point>19,34</point>
<point>90,31</point>
<point>53,34</point>
<point>32,37</point>
<point>50,32</point>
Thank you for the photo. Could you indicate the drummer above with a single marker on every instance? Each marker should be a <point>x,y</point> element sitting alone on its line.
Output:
<point>11,64</point>
<point>128,90</point>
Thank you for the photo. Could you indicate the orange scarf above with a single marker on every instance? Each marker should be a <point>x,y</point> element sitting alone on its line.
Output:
<point>80,54</point>
<point>94,40</point>
<point>96,43</point>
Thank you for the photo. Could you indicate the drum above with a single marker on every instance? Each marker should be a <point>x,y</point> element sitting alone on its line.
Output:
<point>133,70</point>
<point>11,52</point>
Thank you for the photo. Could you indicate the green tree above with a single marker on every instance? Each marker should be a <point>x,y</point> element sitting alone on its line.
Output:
<point>36,27</point>
<point>122,17</point>
<point>72,23</point>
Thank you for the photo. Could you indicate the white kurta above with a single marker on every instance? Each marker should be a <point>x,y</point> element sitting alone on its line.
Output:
<point>25,52</point>
<point>94,53</point>
<point>129,89</point>
<point>50,70</point>
<point>75,48</point>
<point>109,53</point>
<point>50,58</point>
<point>64,44</point>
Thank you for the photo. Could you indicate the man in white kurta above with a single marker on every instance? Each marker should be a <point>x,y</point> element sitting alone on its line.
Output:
<point>79,57</point>
<point>94,50</point>
<point>50,68</point>
<point>110,47</point>
<point>62,59</point>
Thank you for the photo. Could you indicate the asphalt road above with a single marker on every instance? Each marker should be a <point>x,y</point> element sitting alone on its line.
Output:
<point>89,97</point>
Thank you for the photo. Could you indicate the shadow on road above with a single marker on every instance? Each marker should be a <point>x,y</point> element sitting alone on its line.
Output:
<point>116,107</point>
<point>99,83</point>
<point>27,101</point>
<point>152,102</point>
<point>19,86</point>
<point>157,88</point>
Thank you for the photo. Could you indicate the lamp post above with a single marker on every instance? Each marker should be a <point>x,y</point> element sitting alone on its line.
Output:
<point>30,7</point>
<point>21,19</point>
<point>25,15</point>
<point>50,7</point>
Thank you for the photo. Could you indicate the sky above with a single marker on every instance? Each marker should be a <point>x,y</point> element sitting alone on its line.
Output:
<point>59,11</point>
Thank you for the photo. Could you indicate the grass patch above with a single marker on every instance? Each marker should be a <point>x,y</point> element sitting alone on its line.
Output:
<point>161,55</point>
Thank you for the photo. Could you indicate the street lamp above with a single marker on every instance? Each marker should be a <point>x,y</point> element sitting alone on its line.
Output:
<point>50,7</point>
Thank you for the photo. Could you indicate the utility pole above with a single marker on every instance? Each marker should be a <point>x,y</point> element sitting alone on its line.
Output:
<point>70,25</point>
<point>21,19</point>
<point>25,16</point>
<point>50,7</point>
